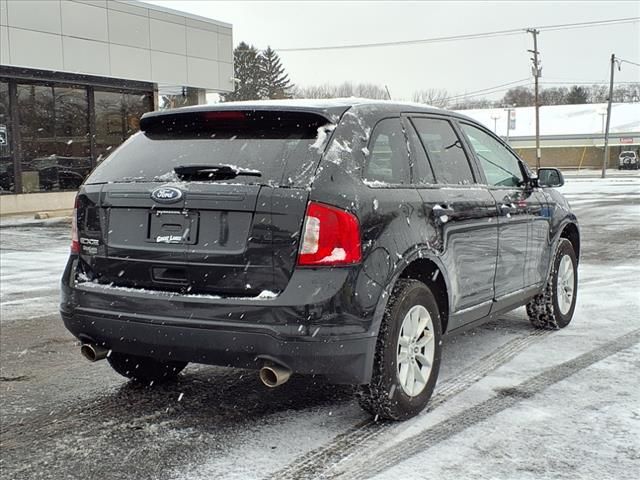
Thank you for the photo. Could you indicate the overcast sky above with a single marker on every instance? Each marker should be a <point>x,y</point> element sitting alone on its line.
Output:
<point>577,55</point>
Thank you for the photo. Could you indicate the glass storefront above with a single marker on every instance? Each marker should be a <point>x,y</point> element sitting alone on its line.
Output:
<point>63,132</point>
<point>7,183</point>
<point>54,135</point>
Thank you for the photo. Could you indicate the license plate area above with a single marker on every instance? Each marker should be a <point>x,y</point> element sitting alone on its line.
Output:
<point>173,227</point>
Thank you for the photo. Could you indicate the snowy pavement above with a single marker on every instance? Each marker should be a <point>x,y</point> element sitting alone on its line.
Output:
<point>511,402</point>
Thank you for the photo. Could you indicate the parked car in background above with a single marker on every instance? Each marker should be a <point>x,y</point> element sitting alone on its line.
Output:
<point>337,238</point>
<point>628,160</point>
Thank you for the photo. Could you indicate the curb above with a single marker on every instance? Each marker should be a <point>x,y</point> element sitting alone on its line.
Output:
<point>34,222</point>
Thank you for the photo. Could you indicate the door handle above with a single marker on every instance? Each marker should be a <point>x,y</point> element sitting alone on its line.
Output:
<point>442,213</point>
<point>507,209</point>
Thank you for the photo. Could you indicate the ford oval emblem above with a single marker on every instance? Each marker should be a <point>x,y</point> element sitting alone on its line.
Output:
<point>166,195</point>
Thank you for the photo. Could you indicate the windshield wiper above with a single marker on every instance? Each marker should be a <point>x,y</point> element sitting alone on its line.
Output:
<point>213,172</point>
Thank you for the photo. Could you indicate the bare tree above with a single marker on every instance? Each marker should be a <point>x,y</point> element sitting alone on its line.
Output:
<point>370,90</point>
<point>345,89</point>
<point>436,97</point>
<point>598,93</point>
<point>470,103</point>
<point>554,96</point>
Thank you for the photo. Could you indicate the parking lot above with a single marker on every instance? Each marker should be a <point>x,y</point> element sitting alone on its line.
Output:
<point>511,402</point>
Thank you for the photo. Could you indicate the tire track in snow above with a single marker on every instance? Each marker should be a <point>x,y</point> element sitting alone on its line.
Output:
<point>505,398</point>
<point>319,462</point>
<point>101,426</point>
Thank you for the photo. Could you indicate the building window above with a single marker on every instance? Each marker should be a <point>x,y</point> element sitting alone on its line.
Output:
<point>7,177</point>
<point>54,130</point>
<point>53,133</point>
<point>117,118</point>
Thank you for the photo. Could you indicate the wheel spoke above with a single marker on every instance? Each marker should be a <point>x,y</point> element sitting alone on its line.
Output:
<point>567,266</point>
<point>424,361</point>
<point>426,338</point>
<point>404,371</point>
<point>403,356</point>
<point>404,341</point>
<point>413,317</point>
<point>411,378</point>
<point>419,376</point>
<point>423,321</point>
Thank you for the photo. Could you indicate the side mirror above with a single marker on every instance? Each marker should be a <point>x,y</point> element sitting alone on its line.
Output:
<point>550,177</point>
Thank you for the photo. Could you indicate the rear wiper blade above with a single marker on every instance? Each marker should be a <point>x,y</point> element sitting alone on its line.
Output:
<point>213,172</point>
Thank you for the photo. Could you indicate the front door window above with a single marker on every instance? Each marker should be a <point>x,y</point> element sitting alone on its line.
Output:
<point>500,166</point>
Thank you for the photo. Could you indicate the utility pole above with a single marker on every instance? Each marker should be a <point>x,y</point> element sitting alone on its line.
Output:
<point>605,160</point>
<point>536,75</point>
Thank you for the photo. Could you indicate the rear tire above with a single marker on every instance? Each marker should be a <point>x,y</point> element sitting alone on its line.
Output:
<point>144,369</point>
<point>408,351</point>
<point>553,309</point>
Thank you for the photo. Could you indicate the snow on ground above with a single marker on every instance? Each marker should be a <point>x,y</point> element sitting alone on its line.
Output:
<point>547,424</point>
<point>502,445</point>
<point>491,424</point>
<point>584,427</point>
<point>560,119</point>
<point>31,264</point>
<point>554,434</point>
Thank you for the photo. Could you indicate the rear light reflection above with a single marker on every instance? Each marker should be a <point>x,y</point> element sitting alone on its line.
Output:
<point>75,241</point>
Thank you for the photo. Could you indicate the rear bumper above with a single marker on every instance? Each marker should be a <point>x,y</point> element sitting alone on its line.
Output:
<point>314,327</point>
<point>344,361</point>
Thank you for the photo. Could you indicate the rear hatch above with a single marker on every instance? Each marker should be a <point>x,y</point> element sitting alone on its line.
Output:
<point>208,202</point>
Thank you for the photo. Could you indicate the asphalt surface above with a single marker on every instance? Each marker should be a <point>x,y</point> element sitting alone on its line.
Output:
<point>62,417</point>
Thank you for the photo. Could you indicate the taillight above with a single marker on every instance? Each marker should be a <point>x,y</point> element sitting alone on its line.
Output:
<point>331,237</point>
<point>75,241</point>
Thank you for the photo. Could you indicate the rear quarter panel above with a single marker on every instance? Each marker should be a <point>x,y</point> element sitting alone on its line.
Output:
<point>393,226</point>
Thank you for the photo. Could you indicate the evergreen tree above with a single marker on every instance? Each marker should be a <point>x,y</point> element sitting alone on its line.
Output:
<point>247,72</point>
<point>276,83</point>
<point>577,95</point>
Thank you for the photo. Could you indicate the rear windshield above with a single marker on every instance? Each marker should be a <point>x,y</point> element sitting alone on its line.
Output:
<point>280,146</point>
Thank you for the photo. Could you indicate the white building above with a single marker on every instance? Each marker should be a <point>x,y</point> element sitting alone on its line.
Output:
<point>570,135</point>
<point>75,77</point>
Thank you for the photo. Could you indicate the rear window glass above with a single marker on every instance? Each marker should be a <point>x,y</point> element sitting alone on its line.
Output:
<point>281,146</point>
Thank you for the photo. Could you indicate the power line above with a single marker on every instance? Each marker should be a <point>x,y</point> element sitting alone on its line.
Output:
<point>489,90</point>
<point>464,97</point>
<point>621,60</point>
<point>600,82</point>
<point>590,24</point>
<point>470,36</point>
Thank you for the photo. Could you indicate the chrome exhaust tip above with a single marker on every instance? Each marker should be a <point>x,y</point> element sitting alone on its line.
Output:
<point>93,353</point>
<point>274,376</point>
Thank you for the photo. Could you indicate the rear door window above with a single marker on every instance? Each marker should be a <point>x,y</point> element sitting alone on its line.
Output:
<point>444,149</point>
<point>277,145</point>
<point>388,158</point>
<point>422,171</point>
<point>501,167</point>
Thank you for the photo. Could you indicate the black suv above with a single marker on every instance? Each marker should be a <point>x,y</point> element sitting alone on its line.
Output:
<point>337,238</point>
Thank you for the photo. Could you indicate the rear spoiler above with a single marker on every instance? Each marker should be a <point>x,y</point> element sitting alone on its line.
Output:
<point>151,121</point>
